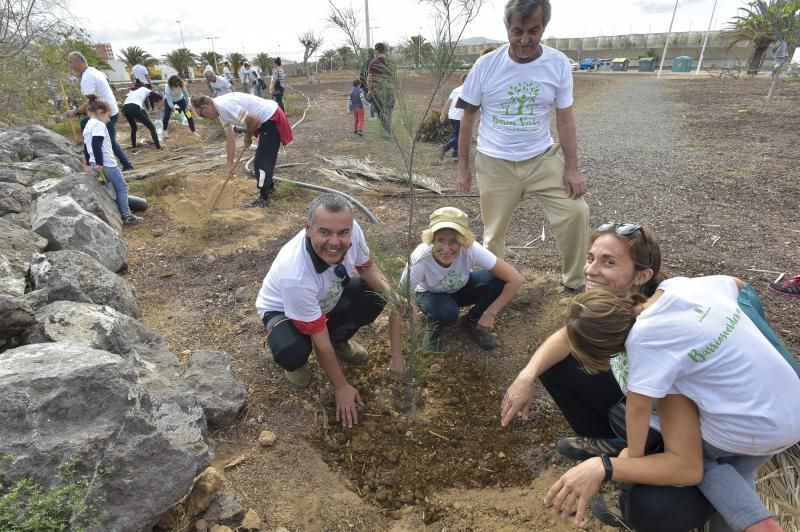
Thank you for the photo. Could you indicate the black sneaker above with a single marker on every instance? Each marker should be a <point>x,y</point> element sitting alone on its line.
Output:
<point>579,448</point>
<point>789,288</point>
<point>131,219</point>
<point>608,514</point>
<point>484,339</point>
<point>258,203</point>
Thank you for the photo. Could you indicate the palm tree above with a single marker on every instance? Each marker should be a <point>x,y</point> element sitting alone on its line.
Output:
<point>211,58</point>
<point>236,60</point>
<point>347,56</point>
<point>181,60</point>
<point>327,58</point>
<point>762,23</point>
<point>417,49</point>
<point>263,61</point>
<point>132,53</point>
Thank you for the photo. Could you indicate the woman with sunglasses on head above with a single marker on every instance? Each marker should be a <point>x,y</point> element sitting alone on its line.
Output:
<point>443,279</point>
<point>691,337</point>
<point>624,257</point>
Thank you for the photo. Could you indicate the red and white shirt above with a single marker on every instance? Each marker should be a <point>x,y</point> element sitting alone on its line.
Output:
<point>296,287</point>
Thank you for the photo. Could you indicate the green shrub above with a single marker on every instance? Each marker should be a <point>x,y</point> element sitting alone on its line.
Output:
<point>431,130</point>
<point>71,503</point>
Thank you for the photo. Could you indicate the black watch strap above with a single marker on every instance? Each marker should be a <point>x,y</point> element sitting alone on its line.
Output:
<point>607,466</point>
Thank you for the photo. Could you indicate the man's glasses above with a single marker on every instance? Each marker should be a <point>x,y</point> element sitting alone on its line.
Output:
<point>624,228</point>
<point>341,273</point>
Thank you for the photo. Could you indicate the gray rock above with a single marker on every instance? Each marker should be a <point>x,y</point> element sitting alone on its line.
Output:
<point>16,315</point>
<point>9,205</point>
<point>102,327</point>
<point>61,400</point>
<point>17,247</point>
<point>75,276</point>
<point>87,192</point>
<point>21,219</point>
<point>66,225</point>
<point>33,142</point>
<point>18,193</point>
<point>46,143</point>
<point>224,510</point>
<point>210,379</point>
<point>28,173</point>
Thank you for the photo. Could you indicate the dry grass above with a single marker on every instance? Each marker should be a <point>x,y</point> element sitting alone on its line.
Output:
<point>779,487</point>
<point>158,186</point>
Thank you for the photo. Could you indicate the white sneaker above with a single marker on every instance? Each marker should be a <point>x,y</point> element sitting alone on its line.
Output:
<point>166,134</point>
<point>195,134</point>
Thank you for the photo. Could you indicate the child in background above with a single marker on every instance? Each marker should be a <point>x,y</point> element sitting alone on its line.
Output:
<point>99,157</point>
<point>357,106</point>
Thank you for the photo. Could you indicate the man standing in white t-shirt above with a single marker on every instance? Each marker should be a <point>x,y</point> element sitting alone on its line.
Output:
<point>312,298</point>
<point>95,82</point>
<point>141,78</point>
<point>516,86</point>
<point>217,84</point>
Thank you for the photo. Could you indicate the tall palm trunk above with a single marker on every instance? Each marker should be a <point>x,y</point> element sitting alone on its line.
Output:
<point>756,59</point>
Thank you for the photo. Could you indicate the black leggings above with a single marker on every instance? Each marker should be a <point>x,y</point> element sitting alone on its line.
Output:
<point>266,156</point>
<point>358,306</point>
<point>133,113</point>
<point>168,112</point>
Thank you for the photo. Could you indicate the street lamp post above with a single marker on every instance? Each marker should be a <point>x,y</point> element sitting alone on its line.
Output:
<point>373,33</point>
<point>213,51</point>
<point>180,28</point>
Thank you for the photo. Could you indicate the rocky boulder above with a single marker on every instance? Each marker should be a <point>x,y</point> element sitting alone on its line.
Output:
<point>33,142</point>
<point>210,379</point>
<point>28,173</point>
<point>75,276</point>
<point>66,225</point>
<point>101,327</point>
<point>16,315</point>
<point>17,247</point>
<point>62,401</point>
<point>14,198</point>
<point>87,192</point>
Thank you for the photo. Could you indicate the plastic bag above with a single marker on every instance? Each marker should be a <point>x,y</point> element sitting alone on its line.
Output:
<point>159,129</point>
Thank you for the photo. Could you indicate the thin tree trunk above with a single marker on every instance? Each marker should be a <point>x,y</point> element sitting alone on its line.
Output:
<point>756,58</point>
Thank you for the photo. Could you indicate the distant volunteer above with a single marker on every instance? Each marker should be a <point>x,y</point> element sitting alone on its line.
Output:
<point>141,78</point>
<point>176,96</point>
<point>454,114</point>
<point>260,118</point>
<point>133,109</point>
<point>217,84</point>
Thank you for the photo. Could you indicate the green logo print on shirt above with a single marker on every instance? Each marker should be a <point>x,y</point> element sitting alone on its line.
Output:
<point>452,282</point>
<point>701,356</point>
<point>518,109</point>
<point>332,297</point>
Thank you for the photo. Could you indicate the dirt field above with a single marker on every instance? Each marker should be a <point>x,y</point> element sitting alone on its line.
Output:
<point>705,162</point>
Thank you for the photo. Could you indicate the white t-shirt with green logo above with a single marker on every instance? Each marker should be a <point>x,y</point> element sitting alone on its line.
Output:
<point>427,275</point>
<point>696,341</point>
<point>515,101</point>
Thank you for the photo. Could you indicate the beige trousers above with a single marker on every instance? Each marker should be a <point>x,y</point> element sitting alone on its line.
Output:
<point>502,186</point>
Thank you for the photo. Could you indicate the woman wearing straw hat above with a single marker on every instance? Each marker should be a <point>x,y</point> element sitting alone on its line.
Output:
<point>443,278</point>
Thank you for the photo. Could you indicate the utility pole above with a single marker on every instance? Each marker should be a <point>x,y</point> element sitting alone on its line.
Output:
<point>216,64</point>
<point>181,30</point>
<point>705,41</point>
<point>419,47</point>
<point>366,19</point>
<point>666,44</point>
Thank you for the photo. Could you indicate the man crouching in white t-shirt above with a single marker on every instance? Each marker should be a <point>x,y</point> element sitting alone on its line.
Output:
<point>310,299</point>
<point>516,87</point>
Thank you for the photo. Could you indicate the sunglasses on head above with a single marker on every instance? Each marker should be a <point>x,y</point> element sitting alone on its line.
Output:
<point>341,273</point>
<point>624,228</point>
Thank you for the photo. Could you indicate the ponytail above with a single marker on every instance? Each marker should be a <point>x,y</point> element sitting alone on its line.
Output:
<point>95,104</point>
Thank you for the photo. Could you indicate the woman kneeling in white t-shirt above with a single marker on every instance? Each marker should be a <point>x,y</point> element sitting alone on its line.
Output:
<point>691,338</point>
<point>443,279</point>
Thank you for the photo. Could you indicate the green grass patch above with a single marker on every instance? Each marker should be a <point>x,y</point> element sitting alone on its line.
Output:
<point>69,504</point>
<point>158,186</point>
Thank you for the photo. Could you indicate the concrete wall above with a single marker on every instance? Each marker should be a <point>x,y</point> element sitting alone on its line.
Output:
<point>636,45</point>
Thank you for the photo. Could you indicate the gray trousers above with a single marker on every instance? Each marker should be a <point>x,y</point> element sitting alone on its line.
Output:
<point>729,484</point>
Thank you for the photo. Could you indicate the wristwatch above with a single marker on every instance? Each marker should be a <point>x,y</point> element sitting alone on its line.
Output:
<point>607,466</point>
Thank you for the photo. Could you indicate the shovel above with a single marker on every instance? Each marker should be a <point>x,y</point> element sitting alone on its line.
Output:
<point>219,194</point>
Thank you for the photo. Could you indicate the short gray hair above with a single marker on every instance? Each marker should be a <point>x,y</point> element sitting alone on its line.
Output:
<point>79,56</point>
<point>331,201</point>
<point>525,8</point>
